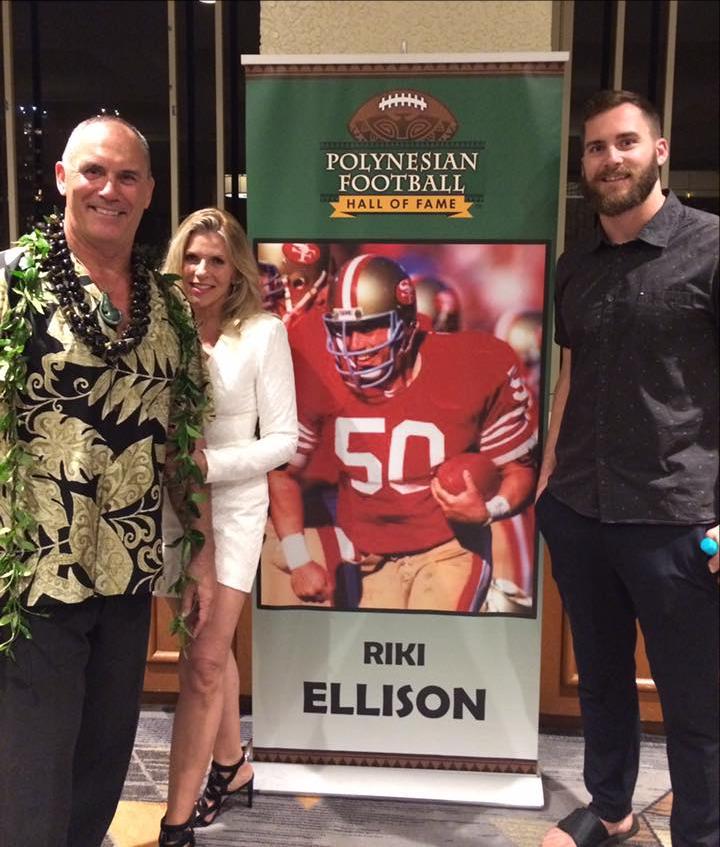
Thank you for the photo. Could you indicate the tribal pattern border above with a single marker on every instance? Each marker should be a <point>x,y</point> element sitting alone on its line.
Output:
<point>279,755</point>
<point>449,68</point>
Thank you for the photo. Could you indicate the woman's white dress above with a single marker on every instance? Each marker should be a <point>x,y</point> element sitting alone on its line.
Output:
<point>252,380</point>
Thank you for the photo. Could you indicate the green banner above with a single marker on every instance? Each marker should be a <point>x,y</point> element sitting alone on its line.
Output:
<point>499,144</point>
<point>404,216</point>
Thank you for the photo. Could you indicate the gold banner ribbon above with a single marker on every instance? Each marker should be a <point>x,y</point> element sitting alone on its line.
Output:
<point>351,205</point>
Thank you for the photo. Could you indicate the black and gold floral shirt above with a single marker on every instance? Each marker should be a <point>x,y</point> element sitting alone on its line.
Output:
<point>97,433</point>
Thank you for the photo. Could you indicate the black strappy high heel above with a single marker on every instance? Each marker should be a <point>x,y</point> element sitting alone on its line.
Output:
<point>216,791</point>
<point>177,835</point>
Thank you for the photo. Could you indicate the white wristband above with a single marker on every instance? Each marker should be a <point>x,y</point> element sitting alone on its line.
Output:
<point>295,550</point>
<point>498,507</point>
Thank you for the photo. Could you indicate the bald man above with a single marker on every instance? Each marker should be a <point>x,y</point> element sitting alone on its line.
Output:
<point>93,414</point>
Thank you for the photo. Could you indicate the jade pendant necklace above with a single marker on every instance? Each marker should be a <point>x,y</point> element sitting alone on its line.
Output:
<point>110,315</point>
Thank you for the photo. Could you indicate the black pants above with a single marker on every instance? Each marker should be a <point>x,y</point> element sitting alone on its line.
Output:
<point>609,575</point>
<point>69,706</point>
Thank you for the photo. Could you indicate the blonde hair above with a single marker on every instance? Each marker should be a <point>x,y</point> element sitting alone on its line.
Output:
<point>244,299</point>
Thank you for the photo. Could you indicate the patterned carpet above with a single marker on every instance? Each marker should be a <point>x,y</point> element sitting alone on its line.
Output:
<point>297,821</point>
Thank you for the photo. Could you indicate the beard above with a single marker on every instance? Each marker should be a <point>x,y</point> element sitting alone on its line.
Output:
<point>638,191</point>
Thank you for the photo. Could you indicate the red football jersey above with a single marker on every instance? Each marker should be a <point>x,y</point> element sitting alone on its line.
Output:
<point>469,394</point>
<point>314,369</point>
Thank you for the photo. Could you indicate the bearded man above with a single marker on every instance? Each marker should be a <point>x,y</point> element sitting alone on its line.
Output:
<point>628,487</point>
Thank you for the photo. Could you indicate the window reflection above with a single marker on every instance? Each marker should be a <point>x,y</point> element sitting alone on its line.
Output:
<point>195,24</point>
<point>694,161</point>
<point>70,64</point>
<point>645,53</point>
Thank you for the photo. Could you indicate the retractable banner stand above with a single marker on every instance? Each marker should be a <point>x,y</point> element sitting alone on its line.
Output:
<point>403,211</point>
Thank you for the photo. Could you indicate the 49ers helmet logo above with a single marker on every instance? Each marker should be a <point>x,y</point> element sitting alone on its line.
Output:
<point>405,292</point>
<point>302,254</point>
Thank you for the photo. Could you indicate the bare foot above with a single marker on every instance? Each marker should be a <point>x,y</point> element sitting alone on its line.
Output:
<point>557,838</point>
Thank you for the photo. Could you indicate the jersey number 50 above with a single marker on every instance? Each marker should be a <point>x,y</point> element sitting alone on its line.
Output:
<point>345,427</point>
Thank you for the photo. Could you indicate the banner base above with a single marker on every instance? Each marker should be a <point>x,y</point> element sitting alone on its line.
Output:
<point>492,789</point>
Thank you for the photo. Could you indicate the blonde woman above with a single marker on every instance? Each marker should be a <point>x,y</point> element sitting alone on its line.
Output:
<point>251,373</point>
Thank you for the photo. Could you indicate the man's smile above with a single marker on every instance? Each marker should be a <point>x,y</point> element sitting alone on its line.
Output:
<point>111,213</point>
<point>616,176</point>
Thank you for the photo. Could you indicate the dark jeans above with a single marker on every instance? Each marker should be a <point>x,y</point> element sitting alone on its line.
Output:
<point>609,575</point>
<point>69,706</point>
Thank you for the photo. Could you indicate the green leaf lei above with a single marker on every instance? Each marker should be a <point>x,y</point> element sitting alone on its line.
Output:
<point>189,404</point>
<point>16,538</point>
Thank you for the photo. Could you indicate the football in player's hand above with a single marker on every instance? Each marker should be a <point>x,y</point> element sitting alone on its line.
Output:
<point>484,473</point>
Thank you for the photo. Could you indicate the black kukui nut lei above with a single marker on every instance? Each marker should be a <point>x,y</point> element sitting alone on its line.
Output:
<point>70,294</point>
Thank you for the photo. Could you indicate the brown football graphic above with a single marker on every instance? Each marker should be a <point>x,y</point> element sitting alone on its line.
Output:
<point>403,115</point>
<point>485,474</point>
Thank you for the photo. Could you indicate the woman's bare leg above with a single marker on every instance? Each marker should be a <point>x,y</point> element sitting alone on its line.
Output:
<point>228,744</point>
<point>200,704</point>
<point>228,749</point>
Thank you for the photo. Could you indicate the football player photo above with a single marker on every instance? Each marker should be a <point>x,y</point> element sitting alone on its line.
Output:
<point>413,482</point>
<point>293,276</point>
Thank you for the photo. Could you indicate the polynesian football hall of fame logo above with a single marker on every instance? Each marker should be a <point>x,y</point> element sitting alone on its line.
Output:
<point>402,159</point>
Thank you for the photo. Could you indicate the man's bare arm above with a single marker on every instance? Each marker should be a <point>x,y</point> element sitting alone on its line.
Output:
<point>309,580</point>
<point>562,389</point>
<point>469,506</point>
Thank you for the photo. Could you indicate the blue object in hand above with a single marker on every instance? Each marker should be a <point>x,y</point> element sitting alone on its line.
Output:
<point>709,546</point>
